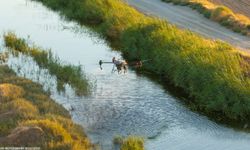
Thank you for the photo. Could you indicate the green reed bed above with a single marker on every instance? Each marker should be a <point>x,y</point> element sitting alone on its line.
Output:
<point>65,73</point>
<point>129,143</point>
<point>213,73</point>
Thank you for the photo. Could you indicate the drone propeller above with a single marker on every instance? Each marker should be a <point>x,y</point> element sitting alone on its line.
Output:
<point>102,62</point>
<point>135,63</point>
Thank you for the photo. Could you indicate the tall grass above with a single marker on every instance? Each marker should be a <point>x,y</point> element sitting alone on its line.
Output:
<point>213,73</point>
<point>130,143</point>
<point>73,75</point>
<point>3,58</point>
<point>24,105</point>
<point>222,14</point>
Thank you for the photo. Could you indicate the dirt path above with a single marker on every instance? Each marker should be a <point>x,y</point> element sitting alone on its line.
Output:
<point>238,6</point>
<point>186,18</point>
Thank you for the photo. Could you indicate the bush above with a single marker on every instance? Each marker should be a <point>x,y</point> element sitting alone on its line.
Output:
<point>238,30</point>
<point>225,23</point>
<point>207,14</point>
<point>221,13</point>
<point>23,108</point>
<point>58,137</point>
<point>14,111</point>
<point>133,143</point>
<point>248,27</point>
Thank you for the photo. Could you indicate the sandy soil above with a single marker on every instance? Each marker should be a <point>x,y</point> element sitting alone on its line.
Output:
<point>185,17</point>
<point>238,6</point>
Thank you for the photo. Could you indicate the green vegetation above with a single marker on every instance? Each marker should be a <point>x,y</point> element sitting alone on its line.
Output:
<point>28,117</point>
<point>3,57</point>
<point>214,74</point>
<point>222,14</point>
<point>130,143</point>
<point>73,75</point>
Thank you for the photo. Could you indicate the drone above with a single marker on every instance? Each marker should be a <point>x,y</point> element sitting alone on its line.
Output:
<point>122,65</point>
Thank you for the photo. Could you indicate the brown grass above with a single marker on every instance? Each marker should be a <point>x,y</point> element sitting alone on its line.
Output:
<point>28,117</point>
<point>219,13</point>
<point>10,91</point>
<point>238,6</point>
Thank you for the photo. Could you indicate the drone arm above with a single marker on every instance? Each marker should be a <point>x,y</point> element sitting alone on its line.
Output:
<point>102,62</point>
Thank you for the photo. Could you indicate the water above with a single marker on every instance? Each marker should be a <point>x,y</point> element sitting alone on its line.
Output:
<point>122,104</point>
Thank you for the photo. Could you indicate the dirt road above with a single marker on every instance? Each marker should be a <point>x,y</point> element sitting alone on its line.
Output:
<point>187,18</point>
<point>238,6</point>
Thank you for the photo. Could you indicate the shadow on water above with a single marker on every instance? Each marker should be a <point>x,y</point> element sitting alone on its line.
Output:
<point>184,98</point>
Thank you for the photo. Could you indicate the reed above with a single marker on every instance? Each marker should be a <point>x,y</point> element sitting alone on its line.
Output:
<point>65,73</point>
<point>213,73</point>
<point>129,143</point>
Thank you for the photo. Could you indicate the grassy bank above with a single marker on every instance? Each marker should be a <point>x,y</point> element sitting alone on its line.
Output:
<point>129,143</point>
<point>28,117</point>
<point>65,74</point>
<point>215,74</point>
<point>219,13</point>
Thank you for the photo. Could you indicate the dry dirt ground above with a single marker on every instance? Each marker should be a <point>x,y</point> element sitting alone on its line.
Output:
<point>238,6</point>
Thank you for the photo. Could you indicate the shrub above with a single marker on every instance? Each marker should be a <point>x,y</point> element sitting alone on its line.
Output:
<point>14,111</point>
<point>220,13</point>
<point>225,23</point>
<point>207,14</point>
<point>55,134</point>
<point>236,29</point>
<point>23,108</point>
<point>133,143</point>
<point>59,137</point>
<point>248,27</point>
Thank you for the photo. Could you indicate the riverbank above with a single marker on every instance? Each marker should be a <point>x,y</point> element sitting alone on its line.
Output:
<point>44,59</point>
<point>215,74</point>
<point>186,18</point>
<point>218,13</point>
<point>65,73</point>
<point>29,117</point>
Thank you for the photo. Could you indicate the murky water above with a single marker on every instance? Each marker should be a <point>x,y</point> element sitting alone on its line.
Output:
<point>122,104</point>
